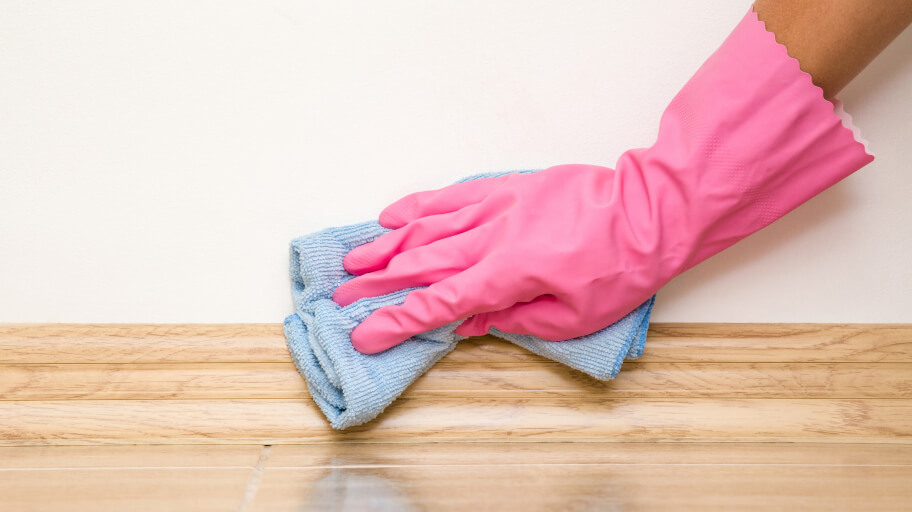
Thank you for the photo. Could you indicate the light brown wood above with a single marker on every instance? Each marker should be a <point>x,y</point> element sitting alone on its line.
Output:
<point>142,343</point>
<point>451,476</point>
<point>216,417</point>
<point>588,487</point>
<point>542,378</point>
<point>282,421</point>
<point>265,343</point>
<point>120,489</point>
<point>781,342</point>
<point>734,380</point>
<point>150,381</point>
<point>507,453</point>
<point>750,343</point>
<point>141,456</point>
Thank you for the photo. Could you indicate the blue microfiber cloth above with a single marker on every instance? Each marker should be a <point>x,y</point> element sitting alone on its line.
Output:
<point>352,388</point>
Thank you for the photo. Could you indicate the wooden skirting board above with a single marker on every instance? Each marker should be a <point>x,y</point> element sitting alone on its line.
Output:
<point>215,417</point>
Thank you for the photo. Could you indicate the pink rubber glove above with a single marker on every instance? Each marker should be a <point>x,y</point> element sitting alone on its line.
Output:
<point>571,249</point>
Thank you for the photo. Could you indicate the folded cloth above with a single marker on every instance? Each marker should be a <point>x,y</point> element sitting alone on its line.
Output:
<point>352,388</point>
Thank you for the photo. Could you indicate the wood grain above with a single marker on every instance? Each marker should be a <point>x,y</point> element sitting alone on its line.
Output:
<point>281,421</point>
<point>216,417</point>
<point>142,343</point>
<point>150,381</point>
<point>193,343</point>
<point>157,381</point>
<point>127,456</point>
<point>508,453</point>
<point>451,476</point>
<point>731,342</point>
<point>588,487</point>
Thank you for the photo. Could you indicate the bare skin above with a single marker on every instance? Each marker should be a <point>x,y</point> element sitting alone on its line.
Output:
<point>833,40</point>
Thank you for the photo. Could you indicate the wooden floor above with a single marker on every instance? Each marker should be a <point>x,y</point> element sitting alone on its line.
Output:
<point>215,417</point>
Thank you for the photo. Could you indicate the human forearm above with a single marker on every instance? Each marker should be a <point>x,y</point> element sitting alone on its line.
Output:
<point>573,248</point>
<point>834,40</point>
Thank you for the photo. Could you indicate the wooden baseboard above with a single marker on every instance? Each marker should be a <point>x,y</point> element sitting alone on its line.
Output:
<point>215,417</point>
<point>235,383</point>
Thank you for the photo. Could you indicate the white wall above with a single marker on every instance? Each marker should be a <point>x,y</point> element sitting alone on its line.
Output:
<point>157,157</point>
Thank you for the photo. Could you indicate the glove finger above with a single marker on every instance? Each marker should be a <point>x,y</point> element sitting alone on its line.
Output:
<point>434,202</point>
<point>425,309</point>
<point>545,316</point>
<point>376,255</point>
<point>421,266</point>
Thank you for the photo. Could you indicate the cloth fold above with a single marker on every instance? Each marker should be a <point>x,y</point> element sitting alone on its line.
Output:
<point>352,388</point>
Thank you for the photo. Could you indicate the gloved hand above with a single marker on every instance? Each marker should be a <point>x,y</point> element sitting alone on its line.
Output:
<point>571,249</point>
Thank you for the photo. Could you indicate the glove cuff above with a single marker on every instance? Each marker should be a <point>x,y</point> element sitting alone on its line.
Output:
<point>747,139</point>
